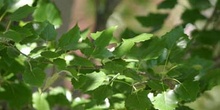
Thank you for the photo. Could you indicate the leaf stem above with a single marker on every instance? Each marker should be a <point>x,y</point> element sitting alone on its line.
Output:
<point>8,26</point>
<point>2,16</point>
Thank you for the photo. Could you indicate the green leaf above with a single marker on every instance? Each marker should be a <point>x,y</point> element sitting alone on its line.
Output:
<point>202,5</point>
<point>138,101</point>
<point>34,77</point>
<point>49,54</point>
<point>61,63</point>
<point>154,50</point>
<point>80,61</point>
<point>210,37</point>
<point>40,102</point>
<point>47,11</point>
<point>104,38</point>
<point>165,101</point>
<point>57,96</point>
<point>69,40</point>
<point>49,33</point>
<point>1,3</point>
<point>152,20</point>
<point>50,80</point>
<point>21,13</point>
<point>2,46</point>
<point>127,44</point>
<point>210,79</point>
<point>115,66</point>
<point>13,35</point>
<point>167,4</point>
<point>173,36</point>
<point>89,81</point>
<point>37,49</point>
<point>101,93</point>
<point>157,85</point>
<point>191,16</point>
<point>12,52</point>
<point>17,95</point>
<point>187,91</point>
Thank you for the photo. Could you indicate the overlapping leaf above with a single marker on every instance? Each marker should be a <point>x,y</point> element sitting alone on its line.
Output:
<point>34,77</point>
<point>138,101</point>
<point>69,40</point>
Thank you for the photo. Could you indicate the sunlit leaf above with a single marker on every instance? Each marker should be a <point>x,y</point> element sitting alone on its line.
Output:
<point>127,44</point>
<point>40,102</point>
<point>165,101</point>
<point>47,11</point>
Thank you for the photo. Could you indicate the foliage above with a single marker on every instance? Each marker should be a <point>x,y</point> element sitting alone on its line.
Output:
<point>141,72</point>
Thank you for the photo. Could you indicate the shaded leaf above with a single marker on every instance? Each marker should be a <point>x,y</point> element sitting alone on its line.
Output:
<point>79,61</point>
<point>115,66</point>
<point>187,91</point>
<point>17,95</point>
<point>152,20</point>
<point>35,77</point>
<point>167,4</point>
<point>191,16</point>
<point>1,3</point>
<point>157,85</point>
<point>210,79</point>
<point>61,63</point>
<point>173,36</point>
<point>154,50</point>
<point>69,40</point>
<point>210,37</point>
<point>50,80</point>
<point>49,54</point>
<point>202,5</point>
<point>49,33</point>
<point>21,13</point>
<point>37,49</point>
<point>12,52</point>
<point>13,35</point>
<point>138,101</point>
<point>89,81</point>
<point>101,93</point>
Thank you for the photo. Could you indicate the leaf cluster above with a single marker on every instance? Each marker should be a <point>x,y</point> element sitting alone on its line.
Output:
<point>141,71</point>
